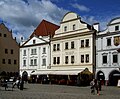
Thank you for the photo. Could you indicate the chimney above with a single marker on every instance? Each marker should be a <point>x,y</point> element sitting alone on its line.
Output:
<point>96,26</point>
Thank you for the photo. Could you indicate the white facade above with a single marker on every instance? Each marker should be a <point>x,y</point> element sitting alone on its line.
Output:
<point>66,48</point>
<point>107,45</point>
<point>34,55</point>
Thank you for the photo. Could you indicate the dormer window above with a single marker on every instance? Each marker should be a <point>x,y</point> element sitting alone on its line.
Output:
<point>65,28</point>
<point>116,28</point>
<point>34,41</point>
<point>74,27</point>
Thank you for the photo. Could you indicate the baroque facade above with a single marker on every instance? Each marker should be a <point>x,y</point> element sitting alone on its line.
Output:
<point>108,53</point>
<point>35,52</point>
<point>73,46</point>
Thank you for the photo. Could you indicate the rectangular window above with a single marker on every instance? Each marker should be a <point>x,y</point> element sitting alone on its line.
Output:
<point>58,47</point>
<point>54,47</point>
<point>74,27</point>
<point>87,58</point>
<point>35,62</point>
<point>66,59</point>
<point>11,51</point>
<point>65,28</point>
<point>6,51</point>
<point>116,28</point>
<point>72,59</point>
<point>54,60</point>
<point>44,62</point>
<point>82,43</point>
<point>5,35</point>
<point>72,45</point>
<point>115,58</point>
<point>82,58</point>
<point>108,41</point>
<point>33,52</point>
<point>31,61</point>
<point>44,50</point>
<point>87,43</point>
<point>24,62</point>
<point>3,61</point>
<point>15,61</point>
<point>24,52</point>
<point>58,60</point>
<point>9,61</point>
<point>105,59</point>
<point>66,45</point>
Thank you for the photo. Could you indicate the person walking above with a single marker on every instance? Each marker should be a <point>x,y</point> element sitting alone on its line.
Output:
<point>97,86</point>
<point>92,84</point>
<point>21,84</point>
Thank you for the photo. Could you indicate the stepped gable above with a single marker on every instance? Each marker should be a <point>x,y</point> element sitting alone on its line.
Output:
<point>45,28</point>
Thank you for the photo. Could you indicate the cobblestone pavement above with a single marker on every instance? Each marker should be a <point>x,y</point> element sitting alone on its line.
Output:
<point>39,91</point>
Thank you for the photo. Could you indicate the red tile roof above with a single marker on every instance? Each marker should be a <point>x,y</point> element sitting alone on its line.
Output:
<point>45,28</point>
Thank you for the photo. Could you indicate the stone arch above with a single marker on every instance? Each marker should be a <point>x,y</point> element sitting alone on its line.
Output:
<point>3,73</point>
<point>25,76</point>
<point>113,77</point>
<point>101,76</point>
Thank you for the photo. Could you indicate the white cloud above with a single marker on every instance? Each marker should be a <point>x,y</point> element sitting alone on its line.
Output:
<point>80,7</point>
<point>89,19</point>
<point>23,17</point>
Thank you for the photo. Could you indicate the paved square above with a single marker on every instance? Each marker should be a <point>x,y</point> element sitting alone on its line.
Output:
<point>44,91</point>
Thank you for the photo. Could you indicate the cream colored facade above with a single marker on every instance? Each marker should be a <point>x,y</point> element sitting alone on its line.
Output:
<point>9,51</point>
<point>71,33</point>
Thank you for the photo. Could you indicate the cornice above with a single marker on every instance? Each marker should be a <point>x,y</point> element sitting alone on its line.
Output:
<point>73,35</point>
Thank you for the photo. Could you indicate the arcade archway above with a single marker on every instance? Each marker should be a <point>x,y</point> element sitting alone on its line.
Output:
<point>101,76</point>
<point>25,76</point>
<point>113,78</point>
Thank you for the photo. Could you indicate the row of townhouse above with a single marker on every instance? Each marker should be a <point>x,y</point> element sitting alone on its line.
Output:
<point>71,48</point>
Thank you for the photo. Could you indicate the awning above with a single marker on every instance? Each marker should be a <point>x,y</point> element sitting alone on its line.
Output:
<point>57,72</point>
<point>41,73</point>
<point>65,72</point>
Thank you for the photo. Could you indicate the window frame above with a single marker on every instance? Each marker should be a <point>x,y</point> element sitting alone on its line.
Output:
<point>74,27</point>
<point>66,60</point>
<point>82,43</point>
<point>44,50</point>
<point>108,42</point>
<point>117,28</point>
<point>87,43</point>
<point>58,60</point>
<point>66,46</point>
<point>6,51</point>
<point>82,58</point>
<point>9,61</point>
<point>54,60</point>
<point>104,59</point>
<point>54,47</point>
<point>115,61</point>
<point>87,58</point>
<point>3,61</point>
<point>58,47</point>
<point>65,28</point>
<point>24,62</point>
<point>72,59</point>
<point>72,45</point>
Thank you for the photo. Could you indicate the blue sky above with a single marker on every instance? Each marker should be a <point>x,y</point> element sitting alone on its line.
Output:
<point>23,16</point>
